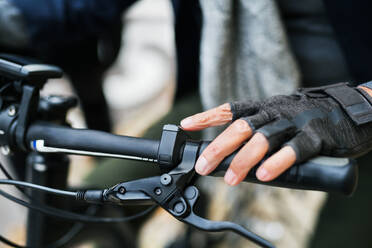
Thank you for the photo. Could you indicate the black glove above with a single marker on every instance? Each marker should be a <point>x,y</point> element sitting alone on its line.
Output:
<point>334,120</point>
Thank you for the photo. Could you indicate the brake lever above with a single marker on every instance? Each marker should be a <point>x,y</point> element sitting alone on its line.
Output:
<point>172,191</point>
<point>192,194</point>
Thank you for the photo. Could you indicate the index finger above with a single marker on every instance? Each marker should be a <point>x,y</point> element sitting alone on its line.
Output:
<point>214,117</point>
<point>225,143</point>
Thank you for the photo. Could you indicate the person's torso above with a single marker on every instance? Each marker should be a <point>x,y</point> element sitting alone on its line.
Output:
<point>313,42</point>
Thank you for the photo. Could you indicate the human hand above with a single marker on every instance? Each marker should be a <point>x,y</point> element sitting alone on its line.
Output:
<point>230,140</point>
<point>295,127</point>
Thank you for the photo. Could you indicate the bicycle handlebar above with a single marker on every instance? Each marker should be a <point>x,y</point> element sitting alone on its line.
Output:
<point>46,137</point>
<point>323,173</point>
<point>329,174</point>
<point>174,153</point>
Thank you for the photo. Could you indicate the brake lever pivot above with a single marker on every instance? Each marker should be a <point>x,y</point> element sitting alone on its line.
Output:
<point>173,192</point>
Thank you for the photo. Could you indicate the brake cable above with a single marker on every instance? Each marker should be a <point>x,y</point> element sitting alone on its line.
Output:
<point>71,216</point>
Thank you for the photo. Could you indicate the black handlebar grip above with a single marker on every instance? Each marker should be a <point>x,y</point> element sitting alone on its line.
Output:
<point>329,174</point>
<point>91,142</point>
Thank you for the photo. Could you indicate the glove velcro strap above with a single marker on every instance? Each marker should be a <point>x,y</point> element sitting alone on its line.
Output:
<point>356,106</point>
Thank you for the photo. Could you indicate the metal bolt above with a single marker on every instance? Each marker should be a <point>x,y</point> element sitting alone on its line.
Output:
<point>40,167</point>
<point>12,110</point>
<point>55,99</point>
<point>158,191</point>
<point>121,190</point>
<point>165,179</point>
<point>179,207</point>
<point>5,150</point>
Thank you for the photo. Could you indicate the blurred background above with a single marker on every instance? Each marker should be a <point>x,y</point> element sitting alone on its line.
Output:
<point>137,68</point>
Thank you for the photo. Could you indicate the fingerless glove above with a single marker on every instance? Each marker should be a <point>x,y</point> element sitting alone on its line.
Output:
<point>335,120</point>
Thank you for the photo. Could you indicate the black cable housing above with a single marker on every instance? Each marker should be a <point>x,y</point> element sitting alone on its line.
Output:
<point>57,213</point>
<point>70,216</point>
<point>39,187</point>
<point>67,237</point>
<point>8,176</point>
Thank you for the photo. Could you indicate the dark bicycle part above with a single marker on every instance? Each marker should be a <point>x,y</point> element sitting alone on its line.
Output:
<point>55,212</point>
<point>71,216</point>
<point>55,108</point>
<point>8,176</point>
<point>39,187</point>
<point>45,137</point>
<point>329,174</point>
<point>20,128</point>
<point>26,80</point>
<point>170,192</point>
<point>69,235</point>
<point>51,170</point>
<point>191,194</point>
<point>338,175</point>
<point>36,74</point>
<point>171,146</point>
<point>44,169</point>
<point>27,111</point>
<point>20,106</point>
<point>167,190</point>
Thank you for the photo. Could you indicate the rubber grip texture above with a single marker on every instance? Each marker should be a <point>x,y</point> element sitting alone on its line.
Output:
<point>335,175</point>
<point>92,140</point>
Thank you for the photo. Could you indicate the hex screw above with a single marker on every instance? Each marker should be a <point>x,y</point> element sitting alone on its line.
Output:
<point>121,190</point>
<point>12,110</point>
<point>40,167</point>
<point>158,191</point>
<point>5,150</point>
<point>179,207</point>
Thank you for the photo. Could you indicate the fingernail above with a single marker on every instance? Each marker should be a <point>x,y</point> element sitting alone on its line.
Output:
<point>201,166</point>
<point>230,177</point>
<point>187,122</point>
<point>262,174</point>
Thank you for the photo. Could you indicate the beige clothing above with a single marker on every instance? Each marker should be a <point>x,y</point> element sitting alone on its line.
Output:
<point>245,55</point>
